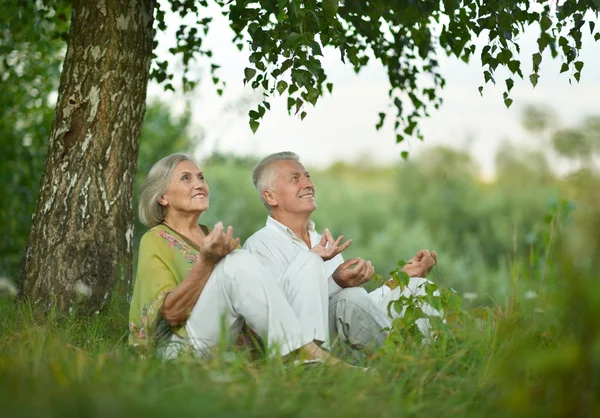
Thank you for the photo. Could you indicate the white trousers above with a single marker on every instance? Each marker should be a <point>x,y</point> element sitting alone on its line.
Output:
<point>416,287</point>
<point>304,282</point>
<point>240,289</point>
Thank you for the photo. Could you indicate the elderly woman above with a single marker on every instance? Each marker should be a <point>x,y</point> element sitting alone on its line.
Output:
<point>191,282</point>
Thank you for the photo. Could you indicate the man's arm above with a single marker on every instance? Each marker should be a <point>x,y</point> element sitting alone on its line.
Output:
<point>273,261</point>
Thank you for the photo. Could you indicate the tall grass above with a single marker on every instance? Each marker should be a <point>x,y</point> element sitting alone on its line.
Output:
<point>538,358</point>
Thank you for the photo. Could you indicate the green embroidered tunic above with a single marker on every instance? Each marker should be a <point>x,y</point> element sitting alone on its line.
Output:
<point>165,260</point>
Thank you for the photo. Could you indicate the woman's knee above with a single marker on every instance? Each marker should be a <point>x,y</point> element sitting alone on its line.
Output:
<point>242,264</point>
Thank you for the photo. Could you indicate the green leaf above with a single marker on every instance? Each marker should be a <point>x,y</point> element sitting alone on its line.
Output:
<point>248,74</point>
<point>480,90</point>
<point>534,79</point>
<point>330,87</point>
<point>579,66</point>
<point>281,86</point>
<point>299,104</point>
<point>509,84</point>
<point>404,155</point>
<point>537,59</point>
<point>316,48</point>
<point>381,120</point>
<point>597,36</point>
<point>564,67</point>
<point>577,76</point>
<point>545,23</point>
<point>254,125</point>
<point>399,138</point>
<point>507,102</point>
<point>330,8</point>
<point>292,40</point>
<point>302,115</point>
<point>286,64</point>
<point>514,66</point>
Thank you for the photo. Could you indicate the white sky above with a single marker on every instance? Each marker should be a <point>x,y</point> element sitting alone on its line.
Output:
<point>342,126</point>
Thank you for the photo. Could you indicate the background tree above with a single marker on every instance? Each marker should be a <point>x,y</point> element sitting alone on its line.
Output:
<point>83,222</point>
<point>31,51</point>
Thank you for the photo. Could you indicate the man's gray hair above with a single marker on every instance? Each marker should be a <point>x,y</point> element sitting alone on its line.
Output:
<point>151,212</point>
<point>263,172</point>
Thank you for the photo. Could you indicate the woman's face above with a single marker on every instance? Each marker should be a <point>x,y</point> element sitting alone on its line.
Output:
<point>187,191</point>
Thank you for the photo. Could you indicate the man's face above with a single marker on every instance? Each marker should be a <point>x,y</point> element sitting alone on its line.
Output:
<point>294,190</point>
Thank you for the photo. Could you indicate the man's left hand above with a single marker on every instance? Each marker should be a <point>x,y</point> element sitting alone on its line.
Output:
<point>421,264</point>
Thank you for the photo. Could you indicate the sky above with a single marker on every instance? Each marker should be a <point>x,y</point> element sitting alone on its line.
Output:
<point>342,125</point>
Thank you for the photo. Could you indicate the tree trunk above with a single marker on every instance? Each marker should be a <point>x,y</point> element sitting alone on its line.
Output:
<point>81,239</point>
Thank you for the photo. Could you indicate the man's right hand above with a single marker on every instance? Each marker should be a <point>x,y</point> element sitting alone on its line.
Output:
<point>328,252</point>
<point>353,272</point>
<point>218,243</point>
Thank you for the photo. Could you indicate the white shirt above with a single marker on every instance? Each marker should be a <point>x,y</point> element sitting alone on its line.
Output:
<point>276,246</point>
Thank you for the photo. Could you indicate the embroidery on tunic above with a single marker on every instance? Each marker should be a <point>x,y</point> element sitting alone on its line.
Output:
<point>189,256</point>
<point>149,316</point>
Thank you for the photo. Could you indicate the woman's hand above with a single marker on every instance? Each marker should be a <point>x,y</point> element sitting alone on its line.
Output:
<point>218,243</point>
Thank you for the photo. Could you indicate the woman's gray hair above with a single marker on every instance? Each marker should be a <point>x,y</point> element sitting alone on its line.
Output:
<point>151,212</point>
<point>263,172</point>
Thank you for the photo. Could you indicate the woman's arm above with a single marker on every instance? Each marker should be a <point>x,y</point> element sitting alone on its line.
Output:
<point>180,301</point>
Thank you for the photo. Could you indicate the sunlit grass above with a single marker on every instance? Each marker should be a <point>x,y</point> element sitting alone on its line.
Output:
<point>532,357</point>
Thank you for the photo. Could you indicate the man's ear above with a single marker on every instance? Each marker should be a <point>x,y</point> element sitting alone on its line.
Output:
<point>270,197</point>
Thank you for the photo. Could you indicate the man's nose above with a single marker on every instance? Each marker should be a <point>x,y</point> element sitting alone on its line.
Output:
<point>308,182</point>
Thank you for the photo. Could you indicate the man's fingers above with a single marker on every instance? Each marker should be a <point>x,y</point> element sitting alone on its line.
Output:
<point>345,245</point>
<point>337,241</point>
<point>329,236</point>
<point>323,242</point>
<point>359,267</point>
<point>230,232</point>
<point>366,274</point>
<point>349,263</point>
<point>370,270</point>
<point>434,256</point>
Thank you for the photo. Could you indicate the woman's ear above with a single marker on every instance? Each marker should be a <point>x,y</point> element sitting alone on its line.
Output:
<point>270,197</point>
<point>162,201</point>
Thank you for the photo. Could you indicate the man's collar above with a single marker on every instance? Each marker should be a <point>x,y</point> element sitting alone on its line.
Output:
<point>273,223</point>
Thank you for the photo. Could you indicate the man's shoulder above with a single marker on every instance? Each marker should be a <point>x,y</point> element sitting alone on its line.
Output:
<point>259,236</point>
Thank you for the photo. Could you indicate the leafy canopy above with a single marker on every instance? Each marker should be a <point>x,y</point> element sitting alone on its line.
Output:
<point>286,40</point>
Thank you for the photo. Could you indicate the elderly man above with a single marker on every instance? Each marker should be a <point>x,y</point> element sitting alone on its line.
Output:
<point>355,316</point>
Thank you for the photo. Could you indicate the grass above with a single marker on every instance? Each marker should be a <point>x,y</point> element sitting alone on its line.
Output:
<point>530,361</point>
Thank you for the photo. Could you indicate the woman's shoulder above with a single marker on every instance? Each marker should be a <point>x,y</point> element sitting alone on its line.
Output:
<point>157,235</point>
